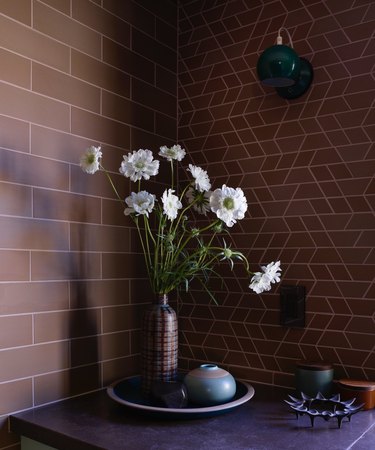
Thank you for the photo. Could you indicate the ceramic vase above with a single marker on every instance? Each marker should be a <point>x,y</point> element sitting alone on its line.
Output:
<point>209,385</point>
<point>159,344</point>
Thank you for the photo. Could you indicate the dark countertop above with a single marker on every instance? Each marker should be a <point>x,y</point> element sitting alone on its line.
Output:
<point>94,421</point>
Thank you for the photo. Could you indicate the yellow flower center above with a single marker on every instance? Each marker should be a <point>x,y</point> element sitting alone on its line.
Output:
<point>228,203</point>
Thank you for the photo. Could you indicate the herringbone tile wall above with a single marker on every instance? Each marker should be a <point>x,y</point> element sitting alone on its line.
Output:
<point>307,167</point>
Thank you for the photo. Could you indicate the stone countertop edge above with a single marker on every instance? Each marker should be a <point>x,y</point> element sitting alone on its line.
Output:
<point>47,436</point>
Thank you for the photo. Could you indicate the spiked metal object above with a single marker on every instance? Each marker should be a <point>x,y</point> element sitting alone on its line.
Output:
<point>320,406</point>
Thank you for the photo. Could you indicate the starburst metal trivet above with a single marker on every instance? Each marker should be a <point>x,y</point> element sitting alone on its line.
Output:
<point>320,406</point>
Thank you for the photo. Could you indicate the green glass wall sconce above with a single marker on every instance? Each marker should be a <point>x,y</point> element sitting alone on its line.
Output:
<point>279,66</point>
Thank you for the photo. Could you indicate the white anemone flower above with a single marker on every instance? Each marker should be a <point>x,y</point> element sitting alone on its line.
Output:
<point>202,182</point>
<point>260,282</point>
<point>201,200</point>
<point>272,270</point>
<point>140,203</point>
<point>171,204</point>
<point>228,204</point>
<point>139,164</point>
<point>90,160</point>
<point>174,152</point>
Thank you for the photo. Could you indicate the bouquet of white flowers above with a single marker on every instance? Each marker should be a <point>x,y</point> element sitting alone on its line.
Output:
<point>175,252</point>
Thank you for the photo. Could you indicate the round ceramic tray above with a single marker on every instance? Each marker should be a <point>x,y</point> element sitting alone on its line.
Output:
<point>128,392</point>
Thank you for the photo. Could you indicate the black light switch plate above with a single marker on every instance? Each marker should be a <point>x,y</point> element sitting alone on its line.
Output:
<point>292,306</point>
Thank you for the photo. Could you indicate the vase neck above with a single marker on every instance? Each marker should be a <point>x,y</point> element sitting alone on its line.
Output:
<point>161,299</point>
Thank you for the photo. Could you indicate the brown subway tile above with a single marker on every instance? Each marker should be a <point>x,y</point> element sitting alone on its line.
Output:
<point>99,238</point>
<point>165,126</point>
<point>25,105</point>
<point>62,325</point>
<point>143,139</point>
<point>155,51</point>
<point>153,97</point>
<point>120,318</point>
<point>14,265</point>
<point>99,128</point>
<point>169,15</point>
<point>126,111</point>
<point>66,383</point>
<point>84,351</point>
<point>132,13</point>
<point>127,61</point>
<point>58,145</point>
<point>16,200</point>
<point>25,169</point>
<point>100,20</point>
<point>104,347</point>
<point>114,345</point>
<point>33,234</point>
<point>98,185</point>
<point>20,11</point>
<point>15,134</point>
<point>167,34</point>
<point>123,265</point>
<point>15,331</point>
<point>113,214</point>
<point>28,361</point>
<point>48,204</point>
<point>140,291</point>
<point>26,42</point>
<point>100,74</point>
<point>60,5</point>
<point>60,27</point>
<point>60,86</point>
<point>15,69</point>
<point>64,265</point>
<point>18,298</point>
<point>15,396</point>
<point>86,294</point>
<point>120,368</point>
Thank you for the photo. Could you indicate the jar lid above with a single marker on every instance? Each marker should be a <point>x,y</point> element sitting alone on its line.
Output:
<point>358,385</point>
<point>314,365</point>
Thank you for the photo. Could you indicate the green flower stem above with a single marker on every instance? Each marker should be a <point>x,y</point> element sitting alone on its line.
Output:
<point>143,247</point>
<point>112,184</point>
<point>156,253</point>
<point>182,213</point>
<point>188,239</point>
<point>147,234</point>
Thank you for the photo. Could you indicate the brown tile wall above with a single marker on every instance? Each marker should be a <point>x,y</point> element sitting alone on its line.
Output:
<point>74,73</point>
<point>79,72</point>
<point>307,167</point>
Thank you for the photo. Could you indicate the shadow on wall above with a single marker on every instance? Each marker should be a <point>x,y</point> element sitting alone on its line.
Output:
<point>36,223</point>
<point>84,326</point>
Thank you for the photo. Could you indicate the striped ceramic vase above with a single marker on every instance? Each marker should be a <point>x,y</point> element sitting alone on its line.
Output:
<point>159,344</point>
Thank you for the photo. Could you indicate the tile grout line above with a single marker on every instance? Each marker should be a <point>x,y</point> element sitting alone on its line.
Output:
<point>361,436</point>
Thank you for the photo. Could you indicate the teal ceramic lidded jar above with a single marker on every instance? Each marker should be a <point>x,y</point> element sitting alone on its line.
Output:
<point>313,377</point>
<point>209,385</point>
